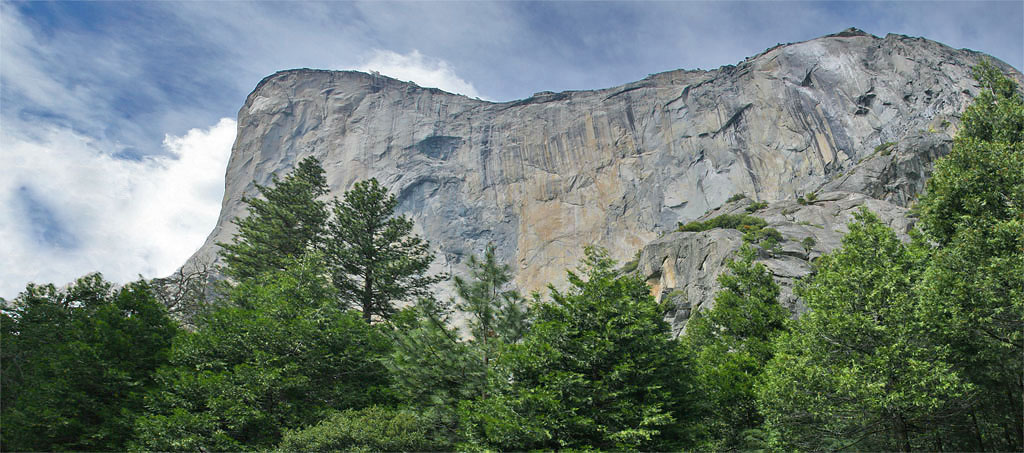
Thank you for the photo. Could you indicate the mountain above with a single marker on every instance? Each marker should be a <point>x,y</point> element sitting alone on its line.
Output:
<point>853,118</point>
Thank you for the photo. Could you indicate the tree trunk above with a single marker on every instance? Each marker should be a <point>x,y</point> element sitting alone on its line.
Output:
<point>902,440</point>
<point>977,432</point>
<point>368,296</point>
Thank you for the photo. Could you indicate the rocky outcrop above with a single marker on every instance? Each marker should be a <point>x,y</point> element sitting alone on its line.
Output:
<point>544,176</point>
<point>683,267</point>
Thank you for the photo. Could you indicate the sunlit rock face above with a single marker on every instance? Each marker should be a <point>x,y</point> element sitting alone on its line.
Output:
<point>545,176</point>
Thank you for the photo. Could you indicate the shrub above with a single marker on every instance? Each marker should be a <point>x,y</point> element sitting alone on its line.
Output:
<point>885,148</point>
<point>808,243</point>
<point>757,206</point>
<point>807,199</point>
<point>755,230</point>
<point>728,221</point>
<point>373,428</point>
<point>736,197</point>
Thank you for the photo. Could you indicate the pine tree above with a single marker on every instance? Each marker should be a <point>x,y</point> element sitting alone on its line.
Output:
<point>278,357</point>
<point>494,311</point>
<point>731,343</point>
<point>376,259</point>
<point>284,224</point>
<point>597,369</point>
<point>433,366</point>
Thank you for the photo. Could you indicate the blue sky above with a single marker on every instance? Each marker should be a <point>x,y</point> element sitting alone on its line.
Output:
<point>116,118</point>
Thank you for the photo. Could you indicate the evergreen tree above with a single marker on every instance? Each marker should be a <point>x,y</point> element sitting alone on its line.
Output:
<point>375,258</point>
<point>855,371</point>
<point>434,368</point>
<point>597,369</point>
<point>731,343</point>
<point>973,289</point>
<point>431,365</point>
<point>76,363</point>
<point>285,223</point>
<point>280,356</point>
<point>494,311</point>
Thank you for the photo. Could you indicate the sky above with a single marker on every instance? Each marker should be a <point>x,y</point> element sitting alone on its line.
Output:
<point>117,118</point>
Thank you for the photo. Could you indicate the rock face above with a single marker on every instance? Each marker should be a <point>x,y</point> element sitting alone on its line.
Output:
<point>683,267</point>
<point>544,176</point>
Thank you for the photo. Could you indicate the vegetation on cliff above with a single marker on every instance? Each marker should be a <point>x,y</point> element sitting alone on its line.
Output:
<point>906,346</point>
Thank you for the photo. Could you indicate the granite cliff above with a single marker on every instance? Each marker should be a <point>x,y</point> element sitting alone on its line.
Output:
<point>621,167</point>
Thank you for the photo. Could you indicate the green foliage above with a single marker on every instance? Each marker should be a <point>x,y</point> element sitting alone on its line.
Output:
<point>767,237</point>
<point>597,369</point>
<point>376,260</point>
<point>494,310</point>
<point>807,199</point>
<point>973,288</point>
<point>755,229</point>
<point>371,429</point>
<point>730,221</point>
<point>736,197</point>
<point>732,343</point>
<point>756,206</point>
<point>430,365</point>
<point>434,369</point>
<point>981,181</point>
<point>808,243</point>
<point>856,372</point>
<point>285,223</point>
<point>76,362</point>
<point>275,358</point>
<point>885,148</point>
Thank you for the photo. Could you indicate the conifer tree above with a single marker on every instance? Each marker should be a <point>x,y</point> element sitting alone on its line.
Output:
<point>376,260</point>
<point>731,343</point>
<point>433,365</point>
<point>495,311</point>
<point>278,357</point>
<point>597,369</point>
<point>285,223</point>
<point>856,372</point>
<point>973,289</point>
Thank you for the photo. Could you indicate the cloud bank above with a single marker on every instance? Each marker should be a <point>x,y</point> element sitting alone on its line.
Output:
<point>68,209</point>
<point>422,70</point>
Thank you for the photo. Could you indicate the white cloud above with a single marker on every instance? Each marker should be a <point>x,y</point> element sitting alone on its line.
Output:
<point>423,70</point>
<point>120,217</point>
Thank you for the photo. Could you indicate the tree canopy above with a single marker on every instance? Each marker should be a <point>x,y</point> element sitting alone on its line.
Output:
<point>77,362</point>
<point>284,223</point>
<point>375,258</point>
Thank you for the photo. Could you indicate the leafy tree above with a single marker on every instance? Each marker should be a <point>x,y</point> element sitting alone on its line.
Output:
<point>376,260</point>
<point>732,343</point>
<point>597,369</point>
<point>855,372</point>
<point>279,357</point>
<point>973,289</point>
<point>285,223</point>
<point>76,363</point>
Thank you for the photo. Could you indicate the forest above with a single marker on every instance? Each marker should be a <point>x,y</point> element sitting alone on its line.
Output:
<point>326,333</point>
